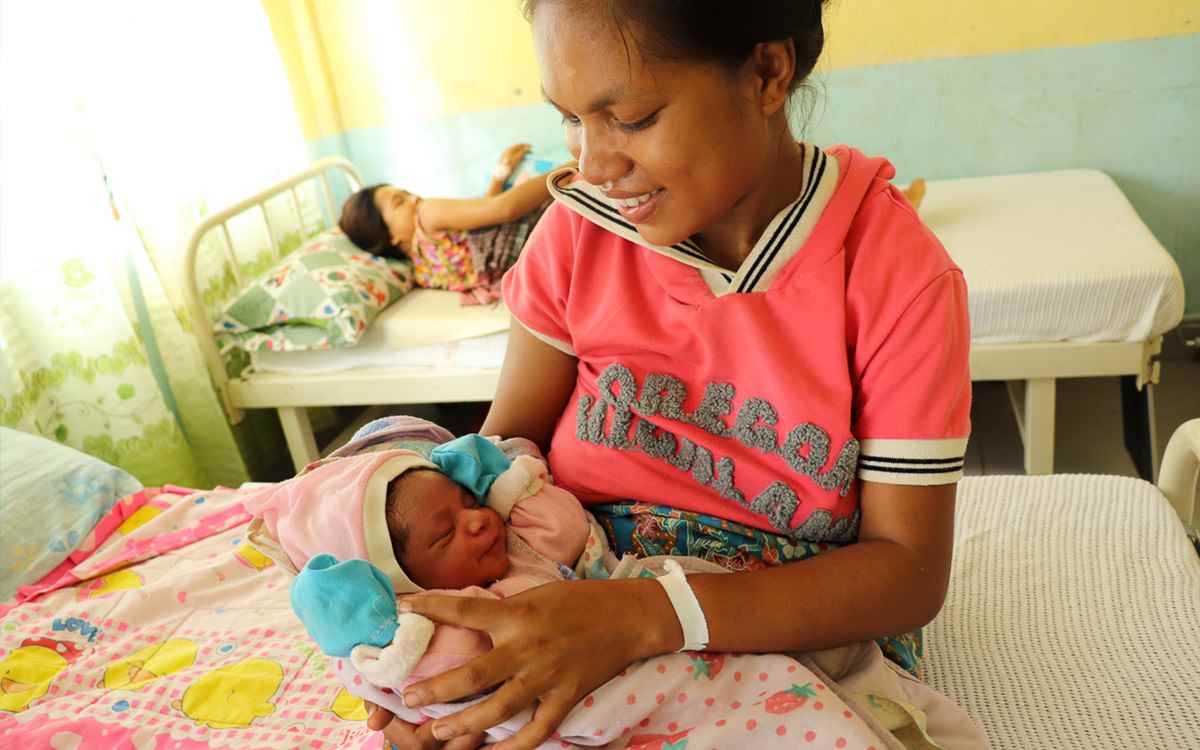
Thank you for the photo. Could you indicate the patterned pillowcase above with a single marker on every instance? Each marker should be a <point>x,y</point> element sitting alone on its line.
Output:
<point>322,296</point>
<point>51,496</point>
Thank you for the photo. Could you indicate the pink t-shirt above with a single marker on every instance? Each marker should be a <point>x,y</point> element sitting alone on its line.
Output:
<point>838,349</point>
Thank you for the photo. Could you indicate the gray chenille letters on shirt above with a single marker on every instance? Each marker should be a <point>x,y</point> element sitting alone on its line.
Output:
<point>753,426</point>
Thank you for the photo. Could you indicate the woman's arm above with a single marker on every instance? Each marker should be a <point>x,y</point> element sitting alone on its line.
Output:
<point>536,382</point>
<point>473,213</point>
<point>551,645</point>
<point>509,159</point>
<point>892,581</point>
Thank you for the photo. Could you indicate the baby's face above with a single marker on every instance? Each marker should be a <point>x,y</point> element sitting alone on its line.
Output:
<point>452,541</point>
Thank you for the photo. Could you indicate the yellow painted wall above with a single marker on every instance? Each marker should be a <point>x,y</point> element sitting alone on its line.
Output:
<point>365,63</point>
<point>306,65</point>
<point>876,32</point>
<point>355,63</point>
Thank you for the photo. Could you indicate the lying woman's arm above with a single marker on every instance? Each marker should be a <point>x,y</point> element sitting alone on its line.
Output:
<point>473,213</point>
<point>556,643</point>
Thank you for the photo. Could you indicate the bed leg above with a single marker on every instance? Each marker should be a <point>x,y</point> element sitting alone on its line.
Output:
<point>297,430</point>
<point>1038,425</point>
<point>1137,414</point>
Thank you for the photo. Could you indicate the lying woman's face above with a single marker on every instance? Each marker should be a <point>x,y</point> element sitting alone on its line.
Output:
<point>399,209</point>
<point>682,137</point>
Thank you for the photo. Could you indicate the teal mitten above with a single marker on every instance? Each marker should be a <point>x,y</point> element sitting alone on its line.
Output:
<point>344,604</point>
<point>471,460</point>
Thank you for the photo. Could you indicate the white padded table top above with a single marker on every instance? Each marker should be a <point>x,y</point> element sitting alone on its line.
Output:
<point>1073,615</point>
<point>1055,256</point>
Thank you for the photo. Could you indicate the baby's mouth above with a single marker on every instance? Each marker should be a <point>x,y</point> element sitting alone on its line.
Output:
<point>493,547</point>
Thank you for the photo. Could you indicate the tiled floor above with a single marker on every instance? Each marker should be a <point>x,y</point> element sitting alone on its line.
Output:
<point>1088,431</point>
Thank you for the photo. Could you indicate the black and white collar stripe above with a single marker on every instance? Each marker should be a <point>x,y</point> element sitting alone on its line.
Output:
<point>786,233</point>
<point>761,261</point>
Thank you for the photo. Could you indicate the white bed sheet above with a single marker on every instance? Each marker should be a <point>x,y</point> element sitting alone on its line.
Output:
<point>1072,615</point>
<point>1055,256</point>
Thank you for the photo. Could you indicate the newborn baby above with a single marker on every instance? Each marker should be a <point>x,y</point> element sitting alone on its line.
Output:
<point>364,528</point>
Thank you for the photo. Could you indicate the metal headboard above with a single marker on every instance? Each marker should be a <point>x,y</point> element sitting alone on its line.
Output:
<point>202,325</point>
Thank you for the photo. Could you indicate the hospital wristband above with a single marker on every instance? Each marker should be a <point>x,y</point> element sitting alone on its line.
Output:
<point>687,607</point>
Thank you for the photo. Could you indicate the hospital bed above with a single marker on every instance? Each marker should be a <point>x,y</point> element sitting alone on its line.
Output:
<point>1065,281</point>
<point>1073,614</point>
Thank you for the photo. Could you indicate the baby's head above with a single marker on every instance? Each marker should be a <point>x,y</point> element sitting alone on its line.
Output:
<point>380,219</point>
<point>442,537</point>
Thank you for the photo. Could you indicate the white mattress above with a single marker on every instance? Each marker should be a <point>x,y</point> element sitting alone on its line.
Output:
<point>432,316</point>
<point>1055,256</point>
<point>480,353</point>
<point>424,329</point>
<point>1073,615</point>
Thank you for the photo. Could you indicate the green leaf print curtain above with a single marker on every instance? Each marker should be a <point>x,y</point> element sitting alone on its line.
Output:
<point>123,124</point>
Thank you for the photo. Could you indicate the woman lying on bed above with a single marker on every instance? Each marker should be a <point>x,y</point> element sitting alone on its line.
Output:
<point>461,244</point>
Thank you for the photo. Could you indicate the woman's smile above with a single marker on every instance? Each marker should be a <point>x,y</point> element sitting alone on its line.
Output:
<point>640,208</point>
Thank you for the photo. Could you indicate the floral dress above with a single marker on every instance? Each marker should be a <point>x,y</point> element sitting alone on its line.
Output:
<point>471,262</point>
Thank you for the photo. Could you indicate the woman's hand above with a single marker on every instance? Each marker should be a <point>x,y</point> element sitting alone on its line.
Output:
<point>405,736</point>
<point>552,645</point>
<point>512,156</point>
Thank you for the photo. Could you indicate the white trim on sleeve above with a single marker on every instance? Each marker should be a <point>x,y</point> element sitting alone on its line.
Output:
<point>912,462</point>
<point>558,344</point>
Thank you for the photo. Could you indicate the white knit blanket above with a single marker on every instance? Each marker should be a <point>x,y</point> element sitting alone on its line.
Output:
<point>1073,617</point>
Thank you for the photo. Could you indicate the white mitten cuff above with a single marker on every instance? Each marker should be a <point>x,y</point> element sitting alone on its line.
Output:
<point>519,481</point>
<point>394,662</point>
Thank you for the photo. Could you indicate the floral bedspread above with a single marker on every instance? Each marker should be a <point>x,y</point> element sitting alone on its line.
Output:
<point>165,630</point>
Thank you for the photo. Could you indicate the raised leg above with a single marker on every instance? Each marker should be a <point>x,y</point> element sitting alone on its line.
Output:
<point>1137,414</point>
<point>297,430</point>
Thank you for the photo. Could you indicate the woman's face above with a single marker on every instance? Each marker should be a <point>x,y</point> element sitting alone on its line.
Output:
<point>399,209</point>
<point>682,143</point>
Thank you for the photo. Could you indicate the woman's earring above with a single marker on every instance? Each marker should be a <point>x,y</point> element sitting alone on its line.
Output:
<point>607,186</point>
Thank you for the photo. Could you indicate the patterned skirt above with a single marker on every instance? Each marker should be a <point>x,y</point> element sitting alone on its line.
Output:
<point>646,530</point>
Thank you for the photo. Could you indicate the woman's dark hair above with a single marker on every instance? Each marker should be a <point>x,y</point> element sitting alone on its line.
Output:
<point>718,31</point>
<point>363,223</point>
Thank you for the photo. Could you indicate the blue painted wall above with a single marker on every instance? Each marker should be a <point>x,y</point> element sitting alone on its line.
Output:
<point>1129,108</point>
